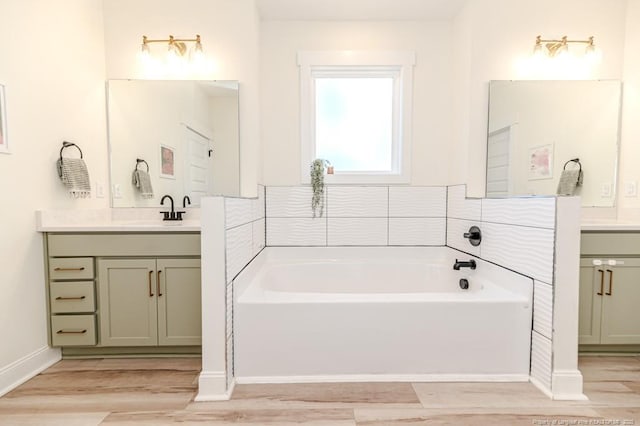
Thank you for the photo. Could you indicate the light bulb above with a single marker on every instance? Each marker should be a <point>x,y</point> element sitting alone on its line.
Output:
<point>593,54</point>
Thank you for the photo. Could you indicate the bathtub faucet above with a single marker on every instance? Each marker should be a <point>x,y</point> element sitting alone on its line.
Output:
<point>464,264</point>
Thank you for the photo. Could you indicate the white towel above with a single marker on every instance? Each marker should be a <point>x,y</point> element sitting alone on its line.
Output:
<point>569,182</point>
<point>141,180</point>
<point>74,174</point>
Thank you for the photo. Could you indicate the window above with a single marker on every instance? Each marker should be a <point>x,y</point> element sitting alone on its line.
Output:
<point>357,115</point>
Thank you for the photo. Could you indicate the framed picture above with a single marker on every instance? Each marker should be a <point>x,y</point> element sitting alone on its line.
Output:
<point>167,162</point>
<point>541,162</point>
<point>4,140</point>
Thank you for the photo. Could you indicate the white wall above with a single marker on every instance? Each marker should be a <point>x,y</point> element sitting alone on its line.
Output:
<point>280,98</point>
<point>630,146</point>
<point>230,33</point>
<point>52,63</point>
<point>494,39</point>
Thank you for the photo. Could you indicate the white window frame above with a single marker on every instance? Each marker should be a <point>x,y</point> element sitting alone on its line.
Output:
<point>399,66</point>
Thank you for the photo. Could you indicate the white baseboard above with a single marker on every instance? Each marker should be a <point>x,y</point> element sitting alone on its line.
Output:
<point>212,386</point>
<point>542,387</point>
<point>567,385</point>
<point>21,370</point>
<point>341,378</point>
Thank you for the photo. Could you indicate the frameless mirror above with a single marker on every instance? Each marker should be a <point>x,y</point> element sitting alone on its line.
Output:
<point>182,135</point>
<point>537,127</point>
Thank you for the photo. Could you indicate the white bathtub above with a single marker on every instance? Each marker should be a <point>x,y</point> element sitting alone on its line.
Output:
<point>379,313</point>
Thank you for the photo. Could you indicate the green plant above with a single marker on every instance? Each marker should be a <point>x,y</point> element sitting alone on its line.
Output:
<point>317,186</point>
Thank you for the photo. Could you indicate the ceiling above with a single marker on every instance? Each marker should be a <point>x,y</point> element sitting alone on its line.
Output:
<point>358,10</point>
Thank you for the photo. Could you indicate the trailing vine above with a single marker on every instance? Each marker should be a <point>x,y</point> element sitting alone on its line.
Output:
<point>317,186</point>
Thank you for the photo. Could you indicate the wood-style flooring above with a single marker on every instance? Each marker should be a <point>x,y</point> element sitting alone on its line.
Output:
<point>161,391</point>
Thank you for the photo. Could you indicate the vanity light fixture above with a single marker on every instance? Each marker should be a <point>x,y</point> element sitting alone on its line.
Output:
<point>177,47</point>
<point>561,47</point>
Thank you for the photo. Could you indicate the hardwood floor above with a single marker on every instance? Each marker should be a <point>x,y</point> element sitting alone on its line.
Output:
<point>161,391</point>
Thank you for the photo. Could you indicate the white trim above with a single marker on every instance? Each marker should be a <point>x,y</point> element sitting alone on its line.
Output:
<point>567,385</point>
<point>212,386</point>
<point>400,63</point>
<point>359,378</point>
<point>23,369</point>
<point>541,387</point>
<point>5,148</point>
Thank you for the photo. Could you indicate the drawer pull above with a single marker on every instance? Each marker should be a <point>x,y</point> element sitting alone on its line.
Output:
<point>601,282</point>
<point>610,282</point>
<point>71,331</point>
<point>150,287</point>
<point>70,269</point>
<point>158,284</point>
<point>70,298</point>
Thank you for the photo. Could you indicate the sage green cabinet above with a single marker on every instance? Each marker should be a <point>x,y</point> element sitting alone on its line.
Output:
<point>609,301</point>
<point>149,302</point>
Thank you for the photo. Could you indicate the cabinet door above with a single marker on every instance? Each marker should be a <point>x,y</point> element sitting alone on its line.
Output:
<point>621,304</point>
<point>127,308</point>
<point>591,279</point>
<point>179,302</point>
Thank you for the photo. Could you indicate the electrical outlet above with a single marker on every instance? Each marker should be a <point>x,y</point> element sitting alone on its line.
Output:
<point>631,189</point>
<point>605,190</point>
<point>99,190</point>
<point>117,191</point>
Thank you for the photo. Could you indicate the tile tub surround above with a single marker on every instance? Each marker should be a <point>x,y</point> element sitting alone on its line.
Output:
<point>357,216</point>
<point>537,237</point>
<point>233,233</point>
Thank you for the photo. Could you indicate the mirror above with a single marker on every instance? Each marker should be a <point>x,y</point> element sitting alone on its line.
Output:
<point>184,135</point>
<point>536,128</point>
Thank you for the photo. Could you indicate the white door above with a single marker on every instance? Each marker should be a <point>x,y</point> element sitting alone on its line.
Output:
<point>498,163</point>
<point>197,176</point>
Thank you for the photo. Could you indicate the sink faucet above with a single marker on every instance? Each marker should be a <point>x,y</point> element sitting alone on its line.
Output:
<point>186,200</point>
<point>464,264</point>
<point>171,215</point>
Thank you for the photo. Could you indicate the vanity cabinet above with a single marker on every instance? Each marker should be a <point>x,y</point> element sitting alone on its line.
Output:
<point>610,289</point>
<point>115,293</point>
<point>149,302</point>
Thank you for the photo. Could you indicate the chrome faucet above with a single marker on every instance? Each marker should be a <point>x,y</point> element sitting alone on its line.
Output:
<point>171,215</point>
<point>464,264</point>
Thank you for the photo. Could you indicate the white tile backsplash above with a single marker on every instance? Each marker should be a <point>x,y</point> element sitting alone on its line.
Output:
<point>293,231</point>
<point>238,211</point>
<point>520,248</point>
<point>357,201</point>
<point>258,236</point>
<point>417,201</point>
<point>543,309</point>
<point>518,211</point>
<point>417,231</point>
<point>459,207</point>
<point>289,201</point>
<point>357,231</point>
<point>541,359</point>
<point>239,249</point>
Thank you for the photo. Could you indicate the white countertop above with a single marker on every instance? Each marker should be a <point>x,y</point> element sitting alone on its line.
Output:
<point>610,225</point>
<point>114,220</point>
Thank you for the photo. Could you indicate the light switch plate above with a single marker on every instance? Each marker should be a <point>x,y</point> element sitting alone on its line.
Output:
<point>605,190</point>
<point>631,188</point>
<point>117,191</point>
<point>99,190</point>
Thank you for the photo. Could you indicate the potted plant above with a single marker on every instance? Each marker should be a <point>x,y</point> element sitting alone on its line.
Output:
<point>317,186</point>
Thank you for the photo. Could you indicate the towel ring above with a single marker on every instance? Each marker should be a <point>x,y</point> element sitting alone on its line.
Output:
<point>66,144</point>
<point>574,160</point>
<point>140,160</point>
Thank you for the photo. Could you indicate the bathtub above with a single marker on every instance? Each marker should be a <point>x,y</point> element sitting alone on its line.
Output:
<point>307,314</point>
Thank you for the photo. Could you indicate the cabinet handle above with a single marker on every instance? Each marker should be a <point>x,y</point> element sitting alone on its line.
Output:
<point>70,298</point>
<point>71,331</point>
<point>601,282</point>
<point>150,287</point>
<point>610,282</point>
<point>69,269</point>
<point>158,284</point>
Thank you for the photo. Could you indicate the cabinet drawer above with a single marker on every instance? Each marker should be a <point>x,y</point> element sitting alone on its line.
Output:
<point>73,330</point>
<point>70,268</point>
<point>72,297</point>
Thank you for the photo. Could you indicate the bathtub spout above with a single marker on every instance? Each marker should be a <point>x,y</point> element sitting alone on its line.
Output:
<point>464,264</point>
